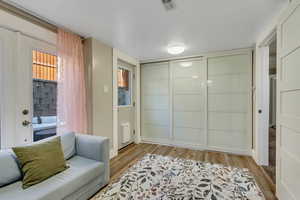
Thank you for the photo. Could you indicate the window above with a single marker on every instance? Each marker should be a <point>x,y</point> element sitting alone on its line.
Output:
<point>124,87</point>
<point>44,66</point>
<point>44,83</point>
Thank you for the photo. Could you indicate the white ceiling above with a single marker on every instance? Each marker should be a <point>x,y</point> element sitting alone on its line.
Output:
<point>143,28</point>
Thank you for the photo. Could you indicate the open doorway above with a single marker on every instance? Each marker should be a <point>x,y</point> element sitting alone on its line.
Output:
<point>271,168</point>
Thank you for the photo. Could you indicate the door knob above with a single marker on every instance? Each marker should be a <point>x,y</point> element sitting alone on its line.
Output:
<point>26,123</point>
<point>25,112</point>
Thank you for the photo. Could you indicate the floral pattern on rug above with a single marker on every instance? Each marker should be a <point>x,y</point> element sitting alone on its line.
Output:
<point>158,177</point>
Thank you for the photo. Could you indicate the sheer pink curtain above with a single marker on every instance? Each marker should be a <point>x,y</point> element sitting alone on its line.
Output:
<point>71,97</point>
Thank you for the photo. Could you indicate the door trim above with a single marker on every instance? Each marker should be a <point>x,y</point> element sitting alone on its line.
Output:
<point>118,55</point>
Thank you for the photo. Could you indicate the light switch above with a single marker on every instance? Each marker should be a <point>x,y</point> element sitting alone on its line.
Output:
<point>106,89</point>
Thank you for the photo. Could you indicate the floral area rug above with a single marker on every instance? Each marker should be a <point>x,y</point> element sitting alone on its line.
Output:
<point>158,177</point>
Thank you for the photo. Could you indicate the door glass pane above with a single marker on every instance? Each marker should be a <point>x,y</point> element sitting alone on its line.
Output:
<point>124,87</point>
<point>44,76</point>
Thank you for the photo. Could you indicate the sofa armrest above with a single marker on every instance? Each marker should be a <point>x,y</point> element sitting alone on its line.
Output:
<point>95,148</point>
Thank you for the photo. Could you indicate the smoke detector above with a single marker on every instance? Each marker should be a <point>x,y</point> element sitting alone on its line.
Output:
<point>168,4</point>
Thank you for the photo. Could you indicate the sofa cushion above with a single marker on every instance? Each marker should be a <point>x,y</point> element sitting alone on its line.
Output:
<point>40,161</point>
<point>9,170</point>
<point>68,144</point>
<point>81,172</point>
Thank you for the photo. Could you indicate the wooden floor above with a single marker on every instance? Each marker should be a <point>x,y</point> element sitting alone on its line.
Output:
<point>132,153</point>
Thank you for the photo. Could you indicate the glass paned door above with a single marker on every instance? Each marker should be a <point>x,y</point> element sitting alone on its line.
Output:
<point>126,107</point>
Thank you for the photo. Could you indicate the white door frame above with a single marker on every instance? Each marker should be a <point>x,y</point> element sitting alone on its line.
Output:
<point>263,100</point>
<point>118,55</point>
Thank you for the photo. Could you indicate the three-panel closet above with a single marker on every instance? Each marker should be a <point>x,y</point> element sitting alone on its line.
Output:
<point>202,103</point>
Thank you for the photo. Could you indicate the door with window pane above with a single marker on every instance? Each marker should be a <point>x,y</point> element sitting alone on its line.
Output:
<point>189,103</point>
<point>126,103</point>
<point>17,105</point>
<point>36,90</point>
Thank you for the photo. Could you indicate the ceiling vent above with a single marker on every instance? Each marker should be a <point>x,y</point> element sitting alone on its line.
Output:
<point>168,4</point>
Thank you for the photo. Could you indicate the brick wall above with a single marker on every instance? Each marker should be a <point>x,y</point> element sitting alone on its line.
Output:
<point>44,97</point>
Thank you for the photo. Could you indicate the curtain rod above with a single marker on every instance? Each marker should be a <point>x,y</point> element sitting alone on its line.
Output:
<point>27,16</point>
<point>16,11</point>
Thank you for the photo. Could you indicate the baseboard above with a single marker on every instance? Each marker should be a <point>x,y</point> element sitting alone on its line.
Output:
<point>112,154</point>
<point>167,142</point>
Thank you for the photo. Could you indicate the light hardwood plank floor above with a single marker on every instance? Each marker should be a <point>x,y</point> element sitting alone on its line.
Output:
<point>132,153</point>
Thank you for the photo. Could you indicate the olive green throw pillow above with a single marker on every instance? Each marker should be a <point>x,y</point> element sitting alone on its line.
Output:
<point>40,161</point>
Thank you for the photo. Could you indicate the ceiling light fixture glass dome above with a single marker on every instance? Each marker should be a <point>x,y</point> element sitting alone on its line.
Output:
<point>176,49</point>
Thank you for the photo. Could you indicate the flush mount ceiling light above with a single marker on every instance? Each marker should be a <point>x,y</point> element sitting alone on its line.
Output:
<point>186,64</point>
<point>176,49</point>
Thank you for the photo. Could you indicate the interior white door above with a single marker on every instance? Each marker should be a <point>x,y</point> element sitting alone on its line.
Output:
<point>288,109</point>
<point>229,103</point>
<point>189,101</point>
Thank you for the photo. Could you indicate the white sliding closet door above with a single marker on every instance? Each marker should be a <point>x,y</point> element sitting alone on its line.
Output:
<point>189,92</point>
<point>229,103</point>
<point>155,101</point>
<point>202,103</point>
